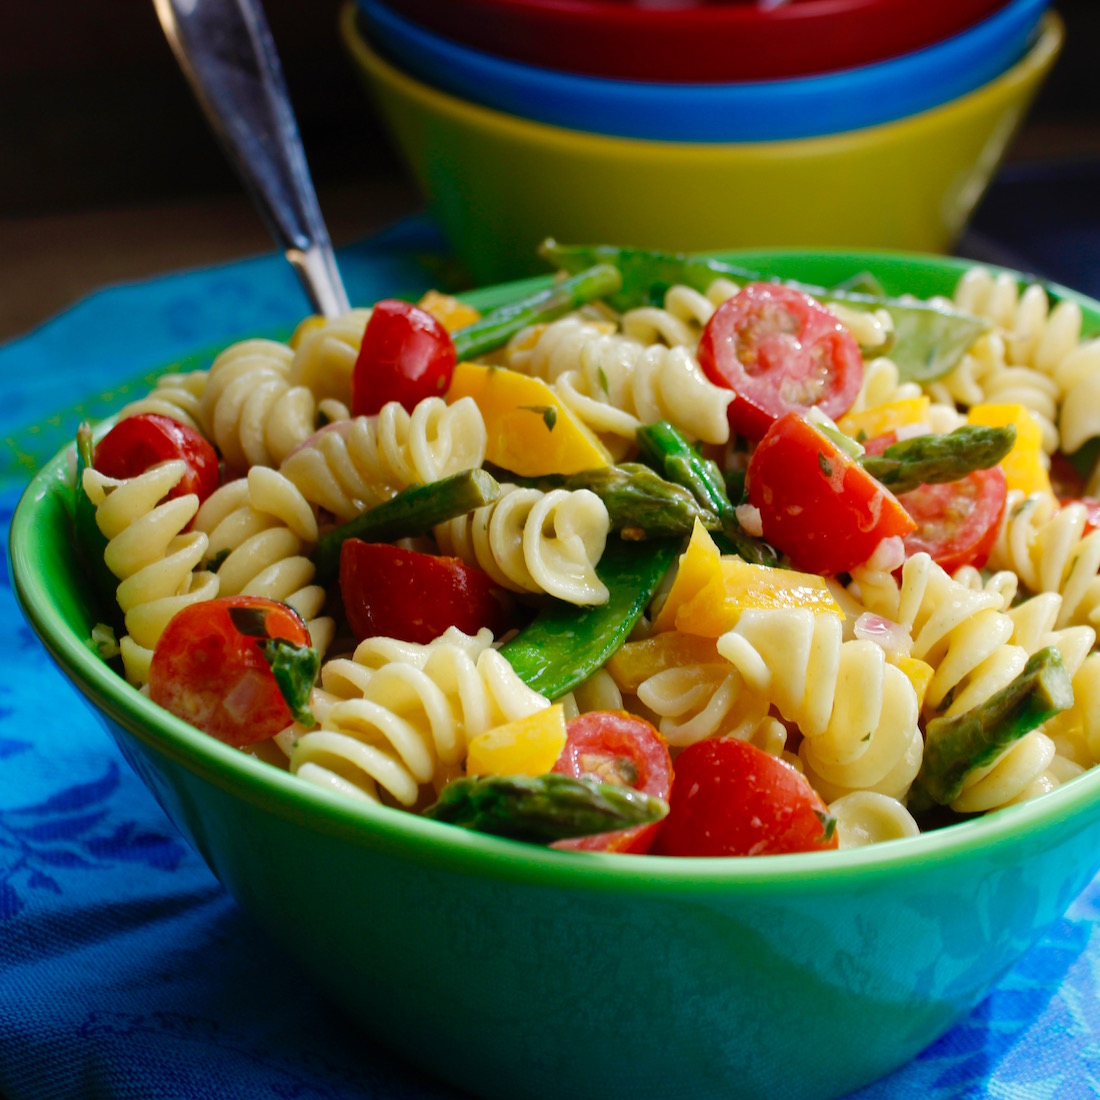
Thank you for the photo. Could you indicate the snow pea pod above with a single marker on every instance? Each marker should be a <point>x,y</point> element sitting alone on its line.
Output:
<point>565,644</point>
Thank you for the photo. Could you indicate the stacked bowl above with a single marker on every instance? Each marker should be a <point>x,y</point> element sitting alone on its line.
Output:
<point>700,124</point>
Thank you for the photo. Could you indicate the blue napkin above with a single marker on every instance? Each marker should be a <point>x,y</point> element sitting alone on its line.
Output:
<point>126,971</point>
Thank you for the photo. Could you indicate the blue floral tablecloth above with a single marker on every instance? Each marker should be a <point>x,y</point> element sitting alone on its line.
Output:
<point>126,971</point>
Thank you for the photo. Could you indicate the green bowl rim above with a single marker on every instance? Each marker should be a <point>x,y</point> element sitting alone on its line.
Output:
<point>430,843</point>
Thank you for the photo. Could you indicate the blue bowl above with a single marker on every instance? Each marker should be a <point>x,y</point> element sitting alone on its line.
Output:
<point>767,110</point>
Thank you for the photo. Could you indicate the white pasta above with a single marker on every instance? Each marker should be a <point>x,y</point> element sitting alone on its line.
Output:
<point>150,552</point>
<point>614,383</point>
<point>867,817</point>
<point>325,351</point>
<point>352,465</point>
<point>178,396</point>
<point>1044,543</point>
<point>250,409</point>
<point>963,634</point>
<point>857,713</point>
<point>531,541</point>
<point>259,530</point>
<point>401,728</point>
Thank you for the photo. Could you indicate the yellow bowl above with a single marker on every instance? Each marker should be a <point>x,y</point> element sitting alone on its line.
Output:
<point>499,184</point>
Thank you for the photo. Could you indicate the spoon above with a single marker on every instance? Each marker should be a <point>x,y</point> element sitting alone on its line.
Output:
<point>226,51</point>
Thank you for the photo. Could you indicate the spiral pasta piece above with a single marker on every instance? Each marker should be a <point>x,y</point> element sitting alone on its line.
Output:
<point>399,730</point>
<point>867,817</point>
<point>695,702</point>
<point>531,541</point>
<point>1046,545</point>
<point>259,530</point>
<point>962,633</point>
<point>249,407</point>
<point>178,396</point>
<point>858,714</point>
<point>614,383</point>
<point>325,351</point>
<point>151,553</point>
<point>352,465</point>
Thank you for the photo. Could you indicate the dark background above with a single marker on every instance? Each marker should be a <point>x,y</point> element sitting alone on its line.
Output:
<point>107,171</point>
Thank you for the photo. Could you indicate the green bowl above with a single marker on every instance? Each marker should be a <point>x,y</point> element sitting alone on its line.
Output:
<point>513,970</point>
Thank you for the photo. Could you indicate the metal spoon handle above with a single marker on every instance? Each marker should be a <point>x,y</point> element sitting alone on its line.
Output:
<point>227,53</point>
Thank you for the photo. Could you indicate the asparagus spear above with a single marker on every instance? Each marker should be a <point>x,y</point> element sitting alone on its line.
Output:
<point>413,511</point>
<point>929,341</point>
<point>543,808</point>
<point>565,644</point>
<point>956,746</point>
<point>499,325</point>
<point>641,504</point>
<point>664,445</point>
<point>931,459</point>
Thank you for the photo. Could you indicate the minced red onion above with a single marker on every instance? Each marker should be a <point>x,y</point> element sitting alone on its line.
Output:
<point>892,637</point>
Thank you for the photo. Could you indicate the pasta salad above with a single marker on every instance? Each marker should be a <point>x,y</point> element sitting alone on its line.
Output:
<point>668,557</point>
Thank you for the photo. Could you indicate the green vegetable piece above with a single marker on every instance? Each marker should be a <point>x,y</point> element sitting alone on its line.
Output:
<point>414,511</point>
<point>646,275</point>
<point>674,456</point>
<point>295,668</point>
<point>498,326</point>
<point>641,503</point>
<point>954,747</point>
<point>932,459</point>
<point>543,808</point>
<point>929,340</point>
<point>90,541</point>
<point>565,644</point>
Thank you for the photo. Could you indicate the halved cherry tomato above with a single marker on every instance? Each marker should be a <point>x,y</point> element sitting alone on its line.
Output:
<point>779,351</point>
<point>732,799</point>
<point>406,356</point>
<point>616,747</point>
<point>138,442</point>
<point>957,521</point>
<point>213,667</point>
<point>816,504</point>
<point>394,593</point>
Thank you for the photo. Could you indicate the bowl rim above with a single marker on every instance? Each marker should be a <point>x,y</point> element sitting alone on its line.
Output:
<point>1038,57</point>
<point>428,843</point>
<point>1008,19</point>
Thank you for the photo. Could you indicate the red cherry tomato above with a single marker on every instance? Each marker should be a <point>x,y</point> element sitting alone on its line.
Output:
<point>957,521</point>
<point>732,799</point>
<point>779,351</point>
<point>816,504</point>
<point>393,593</point>
<point>616,747</point>
<point>138,442</point>
<point>210,669</point>
<point>406,356</point>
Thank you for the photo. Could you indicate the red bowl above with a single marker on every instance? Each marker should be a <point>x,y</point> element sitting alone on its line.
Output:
<point>699,42</point>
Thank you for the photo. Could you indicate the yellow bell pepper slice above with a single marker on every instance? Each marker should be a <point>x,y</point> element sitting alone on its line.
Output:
<point>717,606</point>
<point>919,672</point>
<point>530,431</point>
<point>448,311</point>
<point>881,419</point>
<point>527,746</point>
<point>699,564</point>
<point>1025,465</point>
<point>634,662</point>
